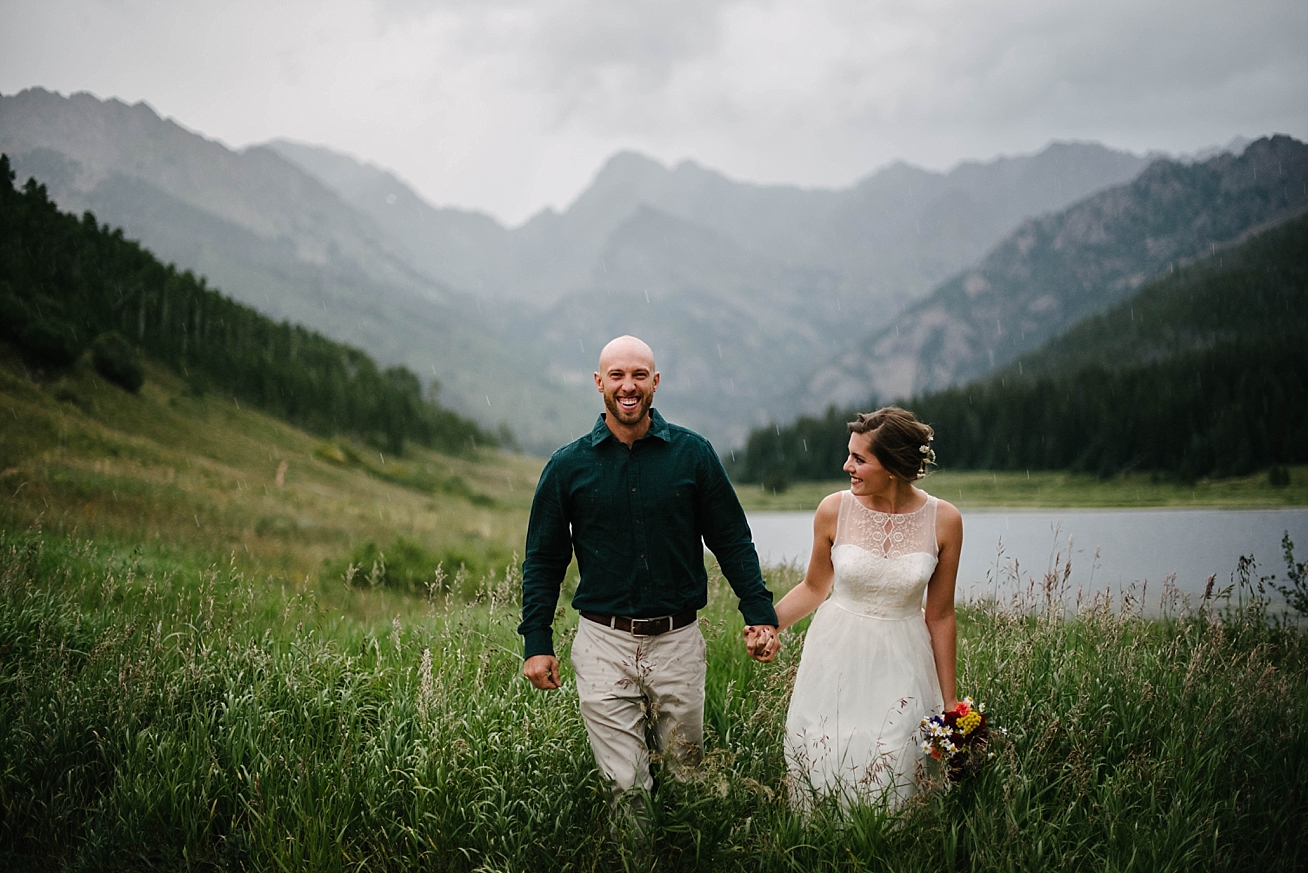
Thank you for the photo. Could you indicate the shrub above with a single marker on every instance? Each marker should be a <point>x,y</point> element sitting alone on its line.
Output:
<point>49,342</point>
<point>1296,593</point>
<point>117,361</point>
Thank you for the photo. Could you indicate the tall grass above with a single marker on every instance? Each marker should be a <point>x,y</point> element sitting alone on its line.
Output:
<point>156,713</point>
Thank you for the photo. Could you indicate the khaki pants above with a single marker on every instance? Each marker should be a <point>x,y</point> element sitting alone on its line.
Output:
<point>637,693</point>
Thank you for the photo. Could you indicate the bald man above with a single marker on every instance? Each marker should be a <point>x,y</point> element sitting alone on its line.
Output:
<point>636,500</point>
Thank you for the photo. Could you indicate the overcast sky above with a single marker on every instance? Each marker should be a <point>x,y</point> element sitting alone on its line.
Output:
<point>509,105</point>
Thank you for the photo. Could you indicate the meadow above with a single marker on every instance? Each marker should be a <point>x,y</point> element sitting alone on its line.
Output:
<point>211,660</point>
<point>163,713</point>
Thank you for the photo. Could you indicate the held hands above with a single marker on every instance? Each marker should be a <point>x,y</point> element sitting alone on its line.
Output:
<point>761,642</point>
<point>542,671</point>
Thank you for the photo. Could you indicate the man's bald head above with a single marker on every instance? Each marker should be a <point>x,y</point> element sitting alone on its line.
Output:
<point>626,349</point>
<point>627,379</point>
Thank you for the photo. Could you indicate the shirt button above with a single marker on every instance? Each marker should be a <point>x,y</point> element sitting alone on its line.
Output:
<point>638,521</point>
<point>633,489</point>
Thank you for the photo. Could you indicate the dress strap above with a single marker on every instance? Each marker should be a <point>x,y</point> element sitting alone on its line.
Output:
<point>931,504</point>
<point>842,519</point>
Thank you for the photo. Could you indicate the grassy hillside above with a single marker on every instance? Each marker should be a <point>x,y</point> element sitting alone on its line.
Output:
<point>169,470</point>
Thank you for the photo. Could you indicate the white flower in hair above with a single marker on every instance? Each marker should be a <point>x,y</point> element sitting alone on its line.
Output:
<point>924,449</point>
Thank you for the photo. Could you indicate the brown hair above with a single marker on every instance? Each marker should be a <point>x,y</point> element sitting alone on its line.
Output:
<point>901,443</point>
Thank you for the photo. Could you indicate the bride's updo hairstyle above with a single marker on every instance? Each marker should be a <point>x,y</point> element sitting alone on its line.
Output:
<point>901,443</point>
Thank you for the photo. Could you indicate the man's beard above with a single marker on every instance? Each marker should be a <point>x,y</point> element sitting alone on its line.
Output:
<point>611,403</point>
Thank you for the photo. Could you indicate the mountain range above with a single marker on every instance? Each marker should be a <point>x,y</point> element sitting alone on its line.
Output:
<point>1057,269</point>
<point>761,301</point>
<point>744,290</point>
<point>896,233</point>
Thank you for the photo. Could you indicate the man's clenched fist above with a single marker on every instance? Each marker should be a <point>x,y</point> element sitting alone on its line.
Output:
<point>542,671</point>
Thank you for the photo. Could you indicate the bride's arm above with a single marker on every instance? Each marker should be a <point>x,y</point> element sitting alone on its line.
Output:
<point>940,620</point>
<point>809,594</point>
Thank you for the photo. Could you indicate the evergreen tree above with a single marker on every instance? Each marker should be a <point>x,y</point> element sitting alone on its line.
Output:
<point>64,281</point>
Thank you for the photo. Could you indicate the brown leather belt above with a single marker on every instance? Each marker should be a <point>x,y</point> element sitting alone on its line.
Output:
<point>643,627</point>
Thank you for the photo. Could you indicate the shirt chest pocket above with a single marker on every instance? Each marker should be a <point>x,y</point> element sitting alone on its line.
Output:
<point>605,513</point>
<point>675,505</point>
<point>600,491</point>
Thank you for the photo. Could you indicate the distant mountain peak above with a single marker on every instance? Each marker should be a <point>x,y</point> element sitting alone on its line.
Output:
<point>628,160</point>
<point>626,174</point>
<point>1234,147</point>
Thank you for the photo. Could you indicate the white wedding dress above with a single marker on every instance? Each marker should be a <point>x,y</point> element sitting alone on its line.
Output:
<point>867,677</point>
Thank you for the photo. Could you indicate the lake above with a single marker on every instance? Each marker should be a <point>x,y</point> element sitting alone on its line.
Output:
<point>1132,545</point>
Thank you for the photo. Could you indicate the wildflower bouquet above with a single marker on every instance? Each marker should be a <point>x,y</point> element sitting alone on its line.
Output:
<point>958,739</point>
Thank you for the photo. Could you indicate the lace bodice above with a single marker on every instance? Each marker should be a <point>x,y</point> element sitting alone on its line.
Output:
<point>883,560</point>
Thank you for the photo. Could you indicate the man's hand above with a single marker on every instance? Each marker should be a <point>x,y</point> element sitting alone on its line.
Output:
<point>762,642</point>
<point>542,671</point>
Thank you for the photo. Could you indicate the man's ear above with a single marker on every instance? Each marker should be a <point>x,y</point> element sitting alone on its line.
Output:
<point>599,383</point>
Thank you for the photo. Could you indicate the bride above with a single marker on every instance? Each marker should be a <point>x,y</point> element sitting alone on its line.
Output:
<point>875,661</point>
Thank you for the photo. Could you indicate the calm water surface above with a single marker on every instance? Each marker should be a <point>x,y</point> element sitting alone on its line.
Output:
<point>1109,548</point>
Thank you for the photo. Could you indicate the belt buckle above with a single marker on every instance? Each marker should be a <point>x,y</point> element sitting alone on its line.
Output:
<point>643,627</point>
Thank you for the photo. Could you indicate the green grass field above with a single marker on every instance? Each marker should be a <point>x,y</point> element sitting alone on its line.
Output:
<point>158,712</point>
<point>188,682</point>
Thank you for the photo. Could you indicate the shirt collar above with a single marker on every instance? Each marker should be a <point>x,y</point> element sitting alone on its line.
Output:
<point>658,428</point>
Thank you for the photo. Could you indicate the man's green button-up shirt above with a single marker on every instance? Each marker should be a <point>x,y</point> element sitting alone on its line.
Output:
<point>638,519</point>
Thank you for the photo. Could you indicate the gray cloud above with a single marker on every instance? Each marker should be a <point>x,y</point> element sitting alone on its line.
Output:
<point>597,53</point>
<point>509,104</point>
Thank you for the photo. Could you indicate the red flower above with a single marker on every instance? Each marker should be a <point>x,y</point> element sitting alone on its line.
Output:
<point>961,710</point>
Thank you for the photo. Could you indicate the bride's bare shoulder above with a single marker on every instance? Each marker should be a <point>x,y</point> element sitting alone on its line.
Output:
<point>829,508</point>
<point>831,503</point>
<point>948,518</point>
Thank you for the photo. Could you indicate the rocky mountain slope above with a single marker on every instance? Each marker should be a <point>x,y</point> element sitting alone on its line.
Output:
<point>1057,269</point>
